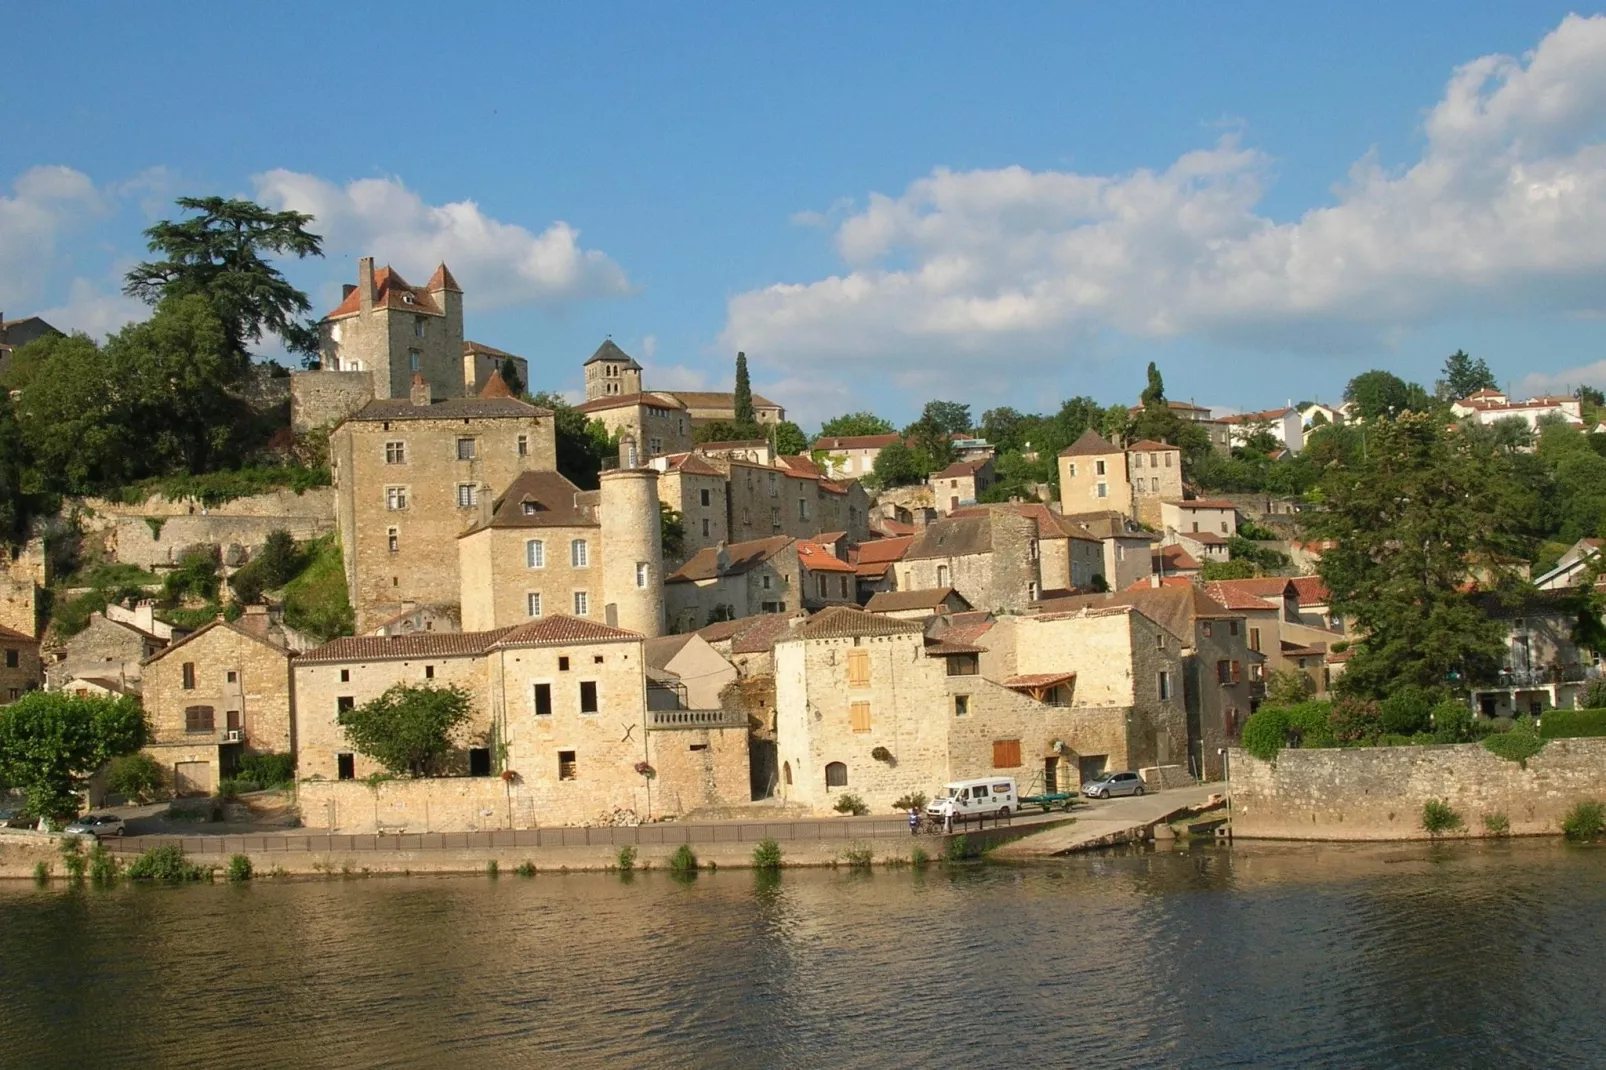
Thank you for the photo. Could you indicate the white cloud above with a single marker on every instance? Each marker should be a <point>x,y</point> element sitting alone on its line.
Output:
<point>46,203</point>
<point>498,264</point>
<point>95,311</point>
<point>673,377</point>
<point>1504,210</point>
<point>1562,382</point>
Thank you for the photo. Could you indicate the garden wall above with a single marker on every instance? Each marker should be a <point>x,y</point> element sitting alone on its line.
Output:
<point>156,532</point>
<point>1377,793</point>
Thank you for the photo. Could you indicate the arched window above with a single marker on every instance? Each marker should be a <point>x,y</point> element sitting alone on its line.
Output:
<point>942,575</point>
<point>786,773</point>
<point>836,775</point>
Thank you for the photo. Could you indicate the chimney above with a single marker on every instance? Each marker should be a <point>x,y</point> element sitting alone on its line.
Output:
<point>1154,581</point>
<point>346,290</point>
<point>722,558</point>
<point>420,394</point>
<point>365,282</point>
<point>255,620</point>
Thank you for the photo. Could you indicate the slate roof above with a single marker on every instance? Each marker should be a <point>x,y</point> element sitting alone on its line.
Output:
<point>1050,524</point>
<point>842,622</point>
<point>482,408</point>
<point>608,351</point>
<point>742,557</point>
<point>956,536</point>
<point>901,601</point>
<point>555,501</point>
<point>1091,444</point>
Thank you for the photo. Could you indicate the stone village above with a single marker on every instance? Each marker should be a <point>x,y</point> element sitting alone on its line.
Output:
<point>804,641</point>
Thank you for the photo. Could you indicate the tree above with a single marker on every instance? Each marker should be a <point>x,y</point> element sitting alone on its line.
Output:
<point>1004,428</point>
<point>1289,687</point>
<point>789,439</point>
<point>73,421</point>
<point>744,393</point>
<point>1414,523</point>
<point>1235,569</point>
<point>952,417</point>
<point>52,742</point>
<point>408,729</point>
<point>896,466</point>
<point>510,376</point>
<point>671,531</point>
<point>17,504</point>
<point>1379,393</point>
<point>853,424</point>
<point>930,438</point>
<point>219,254</point>
<point>1593,399</point>
<point>1154,392</point>
<point>727,431</point>
<point>580,451</point>
<point>1464,377</point>
<point>274,566</point>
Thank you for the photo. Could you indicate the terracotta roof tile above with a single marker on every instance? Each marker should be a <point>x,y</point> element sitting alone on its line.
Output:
<point>538,500</point>
<point>1146,444</point>
<point>442,280</point>
<point>817,558</point>
<point>496,386</point>
<point>390,291</point>
<point>409,645</point>
<point>842,622</point>
<point>620,401</point>
<point>691,464</point>
<point>933,599</point>
<point>1246,595</point>
<point>740,557</point>
<point>1091,444</point>
<point>562,630</point>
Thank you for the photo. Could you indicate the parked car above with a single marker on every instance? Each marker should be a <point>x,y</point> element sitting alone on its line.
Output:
<point>1107,784</point>
<point>96,825</point>
<point>12,818</point>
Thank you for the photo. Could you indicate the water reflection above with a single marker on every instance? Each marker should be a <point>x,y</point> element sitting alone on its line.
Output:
<point>1265,956</point>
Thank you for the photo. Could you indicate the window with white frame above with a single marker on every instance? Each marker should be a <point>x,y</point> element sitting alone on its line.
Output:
<point>468,495</point>
<point>579,553</point>
<point>465,449</point>
<point>534,553</point>
<point>524,445</point>
<point>396,452</point>
<point>641,573</point>
<point>532,603</point>
<point>582,603</point>
<point>395,498</point>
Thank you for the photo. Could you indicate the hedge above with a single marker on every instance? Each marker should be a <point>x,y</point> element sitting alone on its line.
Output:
<point>1571,724</point>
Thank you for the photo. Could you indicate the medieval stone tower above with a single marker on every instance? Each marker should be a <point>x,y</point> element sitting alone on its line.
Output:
<point>632,556</point>
<point>392,330</point>
<point>611,372</point>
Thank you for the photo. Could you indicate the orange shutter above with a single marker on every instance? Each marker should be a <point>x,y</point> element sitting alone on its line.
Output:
<point>1006,754</point>
<point>858,668</point>
<point>859,712</point>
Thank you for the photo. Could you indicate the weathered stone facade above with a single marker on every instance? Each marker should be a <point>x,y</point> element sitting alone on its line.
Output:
<point>990,558</point>
<point>1377,793</point>
<point>1096,475</point>
<point>324,398</point>
<point>395,331</point>
<point>657,422</point>
<point>20,668</point>
<point>104,649</point>
<point>696,490</point>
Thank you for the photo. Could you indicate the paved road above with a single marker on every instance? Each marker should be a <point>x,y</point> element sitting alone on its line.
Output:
<point>1109,820</point>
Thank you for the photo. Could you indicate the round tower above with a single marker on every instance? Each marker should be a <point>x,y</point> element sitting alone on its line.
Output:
<point>632,550</point>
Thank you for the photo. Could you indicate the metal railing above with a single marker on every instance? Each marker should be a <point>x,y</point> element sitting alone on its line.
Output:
<point>669,719</point>
<point>1554,674</point>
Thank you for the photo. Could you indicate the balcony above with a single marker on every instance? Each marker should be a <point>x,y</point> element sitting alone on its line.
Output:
<point>1516,679</point>
<point>670,720</point>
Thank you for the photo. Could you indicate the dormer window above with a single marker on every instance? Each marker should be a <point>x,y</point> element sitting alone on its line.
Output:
<point>531,508</point>
<point>408,299</point>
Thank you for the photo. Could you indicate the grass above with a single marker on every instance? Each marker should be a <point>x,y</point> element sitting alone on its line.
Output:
<point>41,872</point>
<point>1585,821</point>
<point>493,870</point>
<point>626,859</point>
<point>216,488</point>
<point>525,869</point>
<point>767,855</point>
<point>316,602</point>
<point>1496,825</point>
<point>73,858</point>
<point>858,855</point>
<point>1438,818</point>
<point>103,867</point>
<point>683,861</point>
<point>919,858</point>
<point>961,849</point>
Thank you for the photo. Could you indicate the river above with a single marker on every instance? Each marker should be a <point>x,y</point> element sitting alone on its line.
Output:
<point>1268,956</point>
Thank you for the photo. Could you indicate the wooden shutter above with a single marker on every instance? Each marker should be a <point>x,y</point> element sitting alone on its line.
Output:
<point>859,713</point>
<point>1237,671</point>
<point>1006,754</point>
<point>858,668</point>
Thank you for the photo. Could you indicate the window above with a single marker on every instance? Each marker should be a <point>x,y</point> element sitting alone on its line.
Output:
<point>1237,671</point>
<point>1159,640</point>
<point>535,553</point>
<point>1032,550</point>
<point>429,672</point>
<point>1224,527</point>
<point>641,573</point>
<point>1232,627</point>
<point>418,326</point>
<point>582,603</point>
<point>232,677</point>
<point>578,553</point>
<point>479,761</point>
<point>395,453</point>
<point>344,703</point>
<point>16,693</point>
<point>532,603</point>
<point>942,576</point>
<point>345,676</point>
<point>393,539</point>
<point>844,585</point>
<point>766,580</point>
<point>961,705</point>
<point>1154,460</point>
<point>465,449</point>
<point>346,766</point>
<point>596,659</point>
<point>189,676</point>
<point>566,765</point>
<point>775,517</point>
<point>468,495</point>
<point>963,664</point>
<point>802,508</point>
<point>774,487</point>
<point>543,700</point>
<point>1168,460</point>
<point>524,445</point>
<point>409,299</point>
<point>1098,468</point>
<point>588,696</point>
<point>836,775</point>
<point>1196,527</point>
<point>1154,484</point>
<point>1031,591</point>
<point>1165,685</point>
<point>858,668</point>
<point>1228,672</point>
<point>1208,628</point>
<point>859,716</point>
<point>707,527</point>
<point>1254,639</point>
<point>1104,490</point>
<point>198,718</point>
<point>655,446</point>
<point>1137,460</point>
<point>1006,753</point>
<point>703,494</point>
<point>395,498</point>
<point>12,660</point>
<point>414,360</point>
<point>1072,467</point>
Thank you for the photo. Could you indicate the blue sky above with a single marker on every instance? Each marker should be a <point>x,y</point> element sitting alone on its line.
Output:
<point>1001,204</point>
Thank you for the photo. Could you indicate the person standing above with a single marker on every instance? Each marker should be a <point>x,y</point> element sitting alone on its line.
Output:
<point>914,821</point>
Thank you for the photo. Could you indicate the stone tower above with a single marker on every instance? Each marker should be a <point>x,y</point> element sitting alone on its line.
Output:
<point>632,541</point>
<point>1093,477</point>
<point>392,330</point>
<point>611,372</point>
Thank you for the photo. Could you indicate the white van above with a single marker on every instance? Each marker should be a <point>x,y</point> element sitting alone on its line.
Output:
<point>994,796</point>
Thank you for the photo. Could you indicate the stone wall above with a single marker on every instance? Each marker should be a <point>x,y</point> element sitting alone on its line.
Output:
<point>156,532</point>
<point>323,399</point>
<point>1377,793</point>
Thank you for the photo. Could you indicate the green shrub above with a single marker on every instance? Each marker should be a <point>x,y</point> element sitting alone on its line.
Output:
<point>527,869</point>
<point>239,868</point>
<point>1407,711</point>
<point>961,849</point>
<point>1573,724</point>
<point>316,601</point>
<point>858,855</point>
<point>72,857</point>
<point>914,801</point>
<point>1585,821</point>
<point>1356,721</point>
<point>1595,695</point>
<point>684,860</point>
<point>919,858</point>
<point>1452,722</point>
<point>165,864</point>
<point>1517,744</point>
<point>626,858</point>
<point>492,869</point>
<point>1496,824</point>
<point>218,488</point>
<point>848,803</point>
<point>1438,818</point>
<point>41,872</point>
<point>1271,728</point>
<point>767,855</point>
<point>103,866</point>
<point>269,770</point>
<point>135,776</point>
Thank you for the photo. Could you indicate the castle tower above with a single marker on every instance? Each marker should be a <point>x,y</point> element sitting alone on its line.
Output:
<point>611,372</point>
<point>632,554</point>
<point>445,370</point>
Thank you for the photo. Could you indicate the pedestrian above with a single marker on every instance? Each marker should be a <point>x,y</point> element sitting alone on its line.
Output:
<point>914,821</point>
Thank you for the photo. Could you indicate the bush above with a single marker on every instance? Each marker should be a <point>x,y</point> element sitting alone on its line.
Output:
<point>684,860</point>
<point>918,858</point>
<point>41,872</point>
<point>1408,711</point>
<point>767,855</point>
<point>626,858</point>
<point>915,801</point>
<point>103,866</point>
<point>527,868</point>
<point>165,864</point>
<point>239,868</point>
<point>72,857</point>
<point>1595,695</point>
<point>1517,744</point>
<point>849,803</point>
<point>1356,721</point>
<point>858,855</point>
<point>1452,722</point>
<point>1585,821</point>
<point>1573,724</point>
<point>1289,687</point>
<point>135,776</point>
<point>1271,728</point>
<point>269,770</point>
<point>1438,818</point>
<point>961,849</point>
<point>492,869</point>
<point>316,602</point>
<point>1496,824</point>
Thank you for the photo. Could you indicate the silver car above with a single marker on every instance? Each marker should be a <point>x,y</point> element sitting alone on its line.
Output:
<point>96,825</point>
<point>1107,784</point>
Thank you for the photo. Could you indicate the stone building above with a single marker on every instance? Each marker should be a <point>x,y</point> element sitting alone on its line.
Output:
<point>219,692</point>
<point>1127,549</point>
<point>961,483</point>
<point>656,421</point>
<point>990,557</point>
<point>1068,557</point>
<point>696,490</point>
<point>395,331</point>
<point>918,605</point>
<point>1096,475</point>
<point>774,575</point>
<point>610,372</point>
<point>852,456</point>
<point>717,406</point>
<point>16,333</point>
<point>409,475</point>
<point>480,360</point>
<point>763,501</point>
<point>104,649</point>
<point>20,668</point>
<point>1215,516</point>
<point>561,732</point>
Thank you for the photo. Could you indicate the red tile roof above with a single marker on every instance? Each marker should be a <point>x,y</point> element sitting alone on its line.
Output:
<point>390,291</point>
<point>1175,557</point>
<point>817,558</point>
<point>496,386</point>
<point>1150,444</point>
<point>1312,591</point>
<point>442,280</point>
<point>1032,680</point>
<point>801,465</point>
<point>1165,581</point>
<point>691,464</point>
<point>856,442</point>
<point>892,529</point>
<point>1235,595</point>
<point>562,630</point>
<point>409,645</point>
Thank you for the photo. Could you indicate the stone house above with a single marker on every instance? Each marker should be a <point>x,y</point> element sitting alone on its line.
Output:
<point>394,331</point>
<point>610,372</point>
<point>1277,626</point>
<point>220,692</point>
<point>748,643</point>
<point>1170,562</point>
<point>1544,666</point>
<point>709,406</point>
<point>697,491</point>
<point>918,605</point>
<point>104,649</point>
<point>773,575</point>
<point>1127,550</point>
<point>1096,475</point>
<point>827,580</point>
<point>561,731</point>
<point>874,561</point>
<point>657,422</point>
<point>701,672</point>
<point>415,618</point>
<point>1203,546</point>
<point>961,483</point>
<point>990,558</point>
<point>21,670</point>
<point>1069,558</point>
<point>1200,515</point>
<point>409,475</point>
<point>481,360</point>
<point>1286,425</point>
<point>851,456</point>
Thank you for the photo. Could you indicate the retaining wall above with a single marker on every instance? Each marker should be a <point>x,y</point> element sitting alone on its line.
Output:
<point>1377,793</point>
